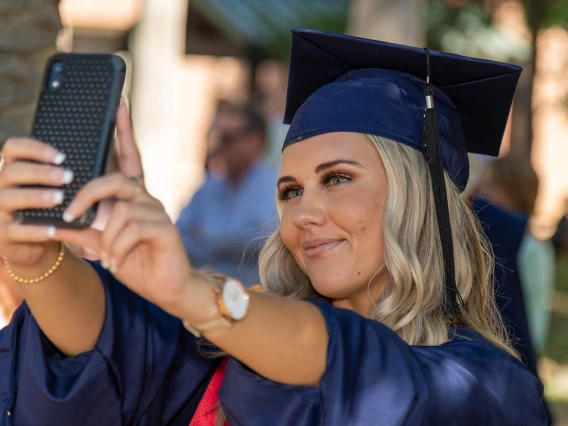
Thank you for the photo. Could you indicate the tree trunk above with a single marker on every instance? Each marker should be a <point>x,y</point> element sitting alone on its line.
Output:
<point>522,117</point>
<point>395,21</point>
<point>28,33</point>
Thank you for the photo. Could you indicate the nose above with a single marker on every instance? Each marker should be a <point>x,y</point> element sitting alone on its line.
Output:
<point>309,212</point>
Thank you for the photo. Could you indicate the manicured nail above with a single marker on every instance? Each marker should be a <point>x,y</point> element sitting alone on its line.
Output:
<point>113,268</point>
<point>68,177</point>
<point>58,197</point>
<point>51,231</point>
<point>68,217</point>
<point>59,159</point>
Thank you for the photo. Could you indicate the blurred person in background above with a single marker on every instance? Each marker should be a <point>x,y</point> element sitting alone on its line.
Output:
<point>503,194</point>
<point>368,314</point>
<point>215,164</point>
<point>228,218</point>
<point>511,183</point>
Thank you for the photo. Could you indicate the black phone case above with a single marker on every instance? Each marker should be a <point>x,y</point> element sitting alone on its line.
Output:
<point>79,120</point>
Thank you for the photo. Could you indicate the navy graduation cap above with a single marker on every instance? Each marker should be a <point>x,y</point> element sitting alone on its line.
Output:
<point>441,104</point>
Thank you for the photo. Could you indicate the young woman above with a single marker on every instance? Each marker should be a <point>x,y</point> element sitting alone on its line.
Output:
<point>377,306</point>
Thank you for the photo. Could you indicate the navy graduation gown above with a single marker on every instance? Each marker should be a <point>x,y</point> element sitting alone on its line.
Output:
<point>144,370</point>
<point>505,231</point>
<point>374,378</point>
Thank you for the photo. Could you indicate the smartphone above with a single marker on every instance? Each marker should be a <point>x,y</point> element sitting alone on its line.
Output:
<point>76,113</point>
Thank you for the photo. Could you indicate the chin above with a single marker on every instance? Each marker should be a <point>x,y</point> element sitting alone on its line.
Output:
<point>334,287</point>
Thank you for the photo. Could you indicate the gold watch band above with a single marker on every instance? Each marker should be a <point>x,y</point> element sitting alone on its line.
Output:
<point>216,281</point>
<point>199,330</point>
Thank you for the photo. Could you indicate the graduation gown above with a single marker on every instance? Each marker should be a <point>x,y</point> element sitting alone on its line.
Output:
<point>505,231</point>
<point>374,378</point>
<point>145,370</point>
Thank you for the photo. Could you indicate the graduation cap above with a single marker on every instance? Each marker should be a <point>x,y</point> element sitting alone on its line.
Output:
<point>441,104</point>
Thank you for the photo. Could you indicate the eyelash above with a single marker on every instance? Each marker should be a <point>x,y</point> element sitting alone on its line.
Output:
<point>283,193</point>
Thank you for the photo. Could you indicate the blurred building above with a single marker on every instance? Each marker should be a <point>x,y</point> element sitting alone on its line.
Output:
<point>186,55</point>
<point>172,94</point>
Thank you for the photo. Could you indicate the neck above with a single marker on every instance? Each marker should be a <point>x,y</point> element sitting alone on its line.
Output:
<point>365,300</point>
<point>360,305</point>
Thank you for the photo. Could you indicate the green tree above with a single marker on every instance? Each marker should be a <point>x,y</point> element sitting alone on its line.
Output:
<point>541,14</point>
<point>466,27</point>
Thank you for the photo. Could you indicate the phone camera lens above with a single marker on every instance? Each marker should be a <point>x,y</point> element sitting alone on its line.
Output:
<point>55,79</point>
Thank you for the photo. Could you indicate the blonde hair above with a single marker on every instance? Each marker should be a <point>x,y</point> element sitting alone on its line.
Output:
<point>411,302</point>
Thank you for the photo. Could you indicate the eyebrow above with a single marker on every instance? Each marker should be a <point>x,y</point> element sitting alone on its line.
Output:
<point>329,164</point>
<point>320,168</point>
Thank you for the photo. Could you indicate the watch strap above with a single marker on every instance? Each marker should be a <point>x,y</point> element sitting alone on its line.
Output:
<point>222,321</point>
<point>215,324</point>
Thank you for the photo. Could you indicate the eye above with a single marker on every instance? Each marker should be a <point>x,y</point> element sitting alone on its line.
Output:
<point>285,194</point>
<point>334,179</point>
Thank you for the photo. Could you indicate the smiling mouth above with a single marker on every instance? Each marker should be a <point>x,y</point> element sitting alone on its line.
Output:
<point>316,250</point>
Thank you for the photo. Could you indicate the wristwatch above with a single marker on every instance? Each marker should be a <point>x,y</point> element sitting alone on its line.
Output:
<point>232,300</point>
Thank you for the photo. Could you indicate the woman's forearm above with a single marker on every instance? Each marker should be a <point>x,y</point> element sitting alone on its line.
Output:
<point>69,306</point>
<point>284,340</point>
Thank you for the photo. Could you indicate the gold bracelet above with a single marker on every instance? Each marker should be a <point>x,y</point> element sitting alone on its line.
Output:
<point>44,276</point>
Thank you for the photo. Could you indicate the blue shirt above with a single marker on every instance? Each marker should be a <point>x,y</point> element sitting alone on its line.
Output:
<point>224,225</point>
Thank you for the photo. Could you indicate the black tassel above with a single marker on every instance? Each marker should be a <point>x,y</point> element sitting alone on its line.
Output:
<point>453,303</point>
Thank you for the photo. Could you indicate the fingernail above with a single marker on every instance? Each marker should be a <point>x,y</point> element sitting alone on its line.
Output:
<point>59,159</point>
<point>113,268</point>
<point>68,177</point>
<point>58,197</point>
<point>68,217</point>
<point>51,231</point>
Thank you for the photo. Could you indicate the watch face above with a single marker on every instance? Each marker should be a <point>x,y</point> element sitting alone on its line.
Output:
<point>236,299</point>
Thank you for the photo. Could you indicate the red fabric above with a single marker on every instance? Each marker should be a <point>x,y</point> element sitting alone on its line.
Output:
<point>207,409</point>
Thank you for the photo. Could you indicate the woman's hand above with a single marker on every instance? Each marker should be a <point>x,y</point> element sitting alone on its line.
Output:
<point>139,244</point>
<point>29,162</point>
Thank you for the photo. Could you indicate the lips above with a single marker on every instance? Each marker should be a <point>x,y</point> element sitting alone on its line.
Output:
<point>317,248</point>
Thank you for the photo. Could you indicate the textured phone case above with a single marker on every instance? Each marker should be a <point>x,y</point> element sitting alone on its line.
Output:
<point>79,120</point>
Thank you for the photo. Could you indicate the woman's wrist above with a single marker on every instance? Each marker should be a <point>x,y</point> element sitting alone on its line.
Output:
<point>46,261</point>
<point>198,302</point>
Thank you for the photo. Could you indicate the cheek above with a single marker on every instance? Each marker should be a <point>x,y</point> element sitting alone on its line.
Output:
<point>288,232</point>
<point>290,236</point>
<point>364,222</point>
<point>368,226</point>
